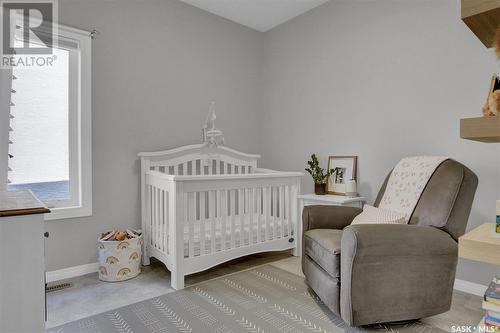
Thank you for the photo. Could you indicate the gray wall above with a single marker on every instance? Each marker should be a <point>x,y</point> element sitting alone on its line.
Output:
<point>156,66</point>
<point>378,79</point>
<point>382,80</point>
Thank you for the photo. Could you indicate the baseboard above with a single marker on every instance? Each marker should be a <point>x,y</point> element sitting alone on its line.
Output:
<point>470,287</point>
<point>71,272</point>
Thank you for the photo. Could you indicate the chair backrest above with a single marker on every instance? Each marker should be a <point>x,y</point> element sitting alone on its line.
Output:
<point>447,199</point>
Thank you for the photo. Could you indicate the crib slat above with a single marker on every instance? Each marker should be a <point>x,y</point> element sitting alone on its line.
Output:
<point>210,167</point>
<point>211,216</point>
<point>191,221</point>
<point>241,216</point>
<point>153,216</point>
<point>288,211</point>
<point>185,214</point>
<point>282,211</point>
<point>259,215</point>
<point>218,217</point>
<point>158,216</point>
<point>294,191</point>
<point>266,211</point>
<point>217,167</point>
<point>164,245</point>
<point>252,211</point>
<point>232,213</point>
<point>275,213</point>
<point>150,216</point>
<point>161,214</point>
<point>202,223</point>
<point>223,215</point>
<point>245,219</point>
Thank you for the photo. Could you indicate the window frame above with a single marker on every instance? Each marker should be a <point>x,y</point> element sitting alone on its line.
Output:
<point>80,126</point>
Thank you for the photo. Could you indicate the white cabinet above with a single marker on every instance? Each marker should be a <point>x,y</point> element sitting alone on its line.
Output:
<point>22,265</point>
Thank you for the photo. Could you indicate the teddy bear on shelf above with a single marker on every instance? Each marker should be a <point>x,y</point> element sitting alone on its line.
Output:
<point>492,106</point>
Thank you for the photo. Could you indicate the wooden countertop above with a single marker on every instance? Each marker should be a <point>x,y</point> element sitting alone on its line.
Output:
<point>15,203</point>
<point>480,244</point>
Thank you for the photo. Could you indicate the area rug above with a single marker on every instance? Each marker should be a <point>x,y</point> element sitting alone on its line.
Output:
<point>265,299</point>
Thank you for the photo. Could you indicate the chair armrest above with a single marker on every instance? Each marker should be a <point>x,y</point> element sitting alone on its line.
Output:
<point>328,217</point>
<point>392,272</point>
<point>396,239</point>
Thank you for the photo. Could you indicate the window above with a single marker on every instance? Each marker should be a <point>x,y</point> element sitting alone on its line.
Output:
<point>50,135</point>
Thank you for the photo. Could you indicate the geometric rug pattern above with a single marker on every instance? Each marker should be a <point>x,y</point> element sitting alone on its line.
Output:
<point>265,299</point>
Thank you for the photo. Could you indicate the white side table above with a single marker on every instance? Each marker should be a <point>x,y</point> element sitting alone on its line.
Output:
<point>327,199</point>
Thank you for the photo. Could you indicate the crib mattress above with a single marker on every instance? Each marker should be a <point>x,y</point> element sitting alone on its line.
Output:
<point>222,237</point>
<point>240,239</point>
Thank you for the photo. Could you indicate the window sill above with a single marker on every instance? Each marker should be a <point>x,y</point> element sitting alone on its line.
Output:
<point>68,213</point>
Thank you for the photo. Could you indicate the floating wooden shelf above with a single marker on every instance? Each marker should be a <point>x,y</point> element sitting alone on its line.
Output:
<point>484,129</point>
<point>483,18</point>
<point>480,244</point>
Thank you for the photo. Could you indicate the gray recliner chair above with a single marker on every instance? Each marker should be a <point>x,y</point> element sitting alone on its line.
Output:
<point>384,273</point>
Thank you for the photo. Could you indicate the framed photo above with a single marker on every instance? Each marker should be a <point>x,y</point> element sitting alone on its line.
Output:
<point>346,170</point>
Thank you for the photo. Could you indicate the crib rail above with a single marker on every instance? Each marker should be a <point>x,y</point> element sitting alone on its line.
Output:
<point>206,219</point>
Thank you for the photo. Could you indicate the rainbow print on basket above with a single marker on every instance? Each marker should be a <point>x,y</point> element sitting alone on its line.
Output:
<point>112,260</point>
<point>119,260</point>
<point>123,245</point>
<point>103,271</point>
<point>123,272</point>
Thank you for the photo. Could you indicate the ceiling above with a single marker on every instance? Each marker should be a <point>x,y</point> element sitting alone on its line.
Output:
<point>261,15</point>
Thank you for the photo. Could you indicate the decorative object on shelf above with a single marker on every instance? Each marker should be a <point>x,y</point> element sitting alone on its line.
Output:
<point>344,170</point>
<point>492,105</point>
<point>497,43</point>
<point>211,134</point>
<point>351,190</point>
<point>318,174</point>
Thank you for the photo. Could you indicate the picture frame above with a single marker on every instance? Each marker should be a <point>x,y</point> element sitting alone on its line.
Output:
<point>347,170</point>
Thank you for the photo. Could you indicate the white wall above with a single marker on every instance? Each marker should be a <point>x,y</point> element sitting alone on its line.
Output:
<point>156,66</point>
<point>382,80</point>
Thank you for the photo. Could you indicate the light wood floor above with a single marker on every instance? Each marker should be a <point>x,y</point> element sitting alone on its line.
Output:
<point>89,296</point>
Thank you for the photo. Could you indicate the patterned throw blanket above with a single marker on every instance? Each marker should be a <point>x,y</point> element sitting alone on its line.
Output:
<point>407,182</point>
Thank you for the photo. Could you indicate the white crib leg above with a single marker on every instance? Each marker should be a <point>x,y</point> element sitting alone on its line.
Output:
<point>297,221</point>
<point>177,279</point>
<point>177,219</point>
<point>145,257</point>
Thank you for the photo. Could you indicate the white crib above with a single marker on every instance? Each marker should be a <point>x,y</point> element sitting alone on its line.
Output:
<point>204,204</point>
